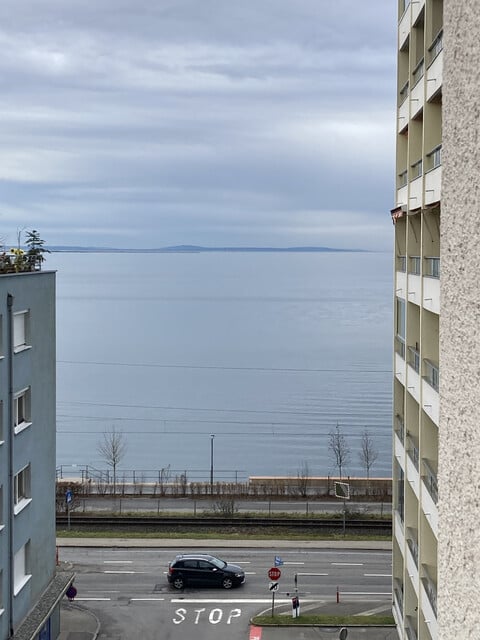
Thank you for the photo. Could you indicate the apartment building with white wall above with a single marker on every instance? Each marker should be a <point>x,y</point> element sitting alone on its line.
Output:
<point>416,216</point>
<point>30,587</point>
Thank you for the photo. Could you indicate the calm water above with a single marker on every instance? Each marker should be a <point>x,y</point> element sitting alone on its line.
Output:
<point>266,351</point>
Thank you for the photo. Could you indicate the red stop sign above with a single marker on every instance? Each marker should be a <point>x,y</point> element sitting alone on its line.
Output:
<point>274,573</point>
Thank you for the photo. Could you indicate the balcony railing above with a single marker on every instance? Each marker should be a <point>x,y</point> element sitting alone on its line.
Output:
<point>399,428</point>
<point>403,93</point>
<point>430,588</point>
<point>412,451</point>
<point>411,633</point>
<point>434,158</point>
<point>432,267</point>
<point>414,358</point>
<point>431,373</point>
<point>398,594</point>
<point>416,169</point>
<point>413,546</point>
<point>400,346</point>
<point>402,179</point>
<point>418,72</point>
<point>402,263</point>
<point>436,46</point>
<point>404,6</point>
<point>415,265</point>
<point>430,481</point>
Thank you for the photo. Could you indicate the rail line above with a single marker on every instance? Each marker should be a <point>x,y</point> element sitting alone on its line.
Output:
<point>85,521</point>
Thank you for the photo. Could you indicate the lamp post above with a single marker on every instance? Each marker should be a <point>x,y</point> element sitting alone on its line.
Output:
<point>212,437</point>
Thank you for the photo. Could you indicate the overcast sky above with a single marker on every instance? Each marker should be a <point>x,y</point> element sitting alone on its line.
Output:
<point>216,122</point>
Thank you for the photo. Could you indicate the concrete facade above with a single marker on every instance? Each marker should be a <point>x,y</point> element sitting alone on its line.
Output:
<point>459,478</point>
<point>29,586</point>
<point>418,277</point>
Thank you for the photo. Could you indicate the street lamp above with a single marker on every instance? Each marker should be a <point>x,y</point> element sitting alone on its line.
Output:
<point>212,437</point>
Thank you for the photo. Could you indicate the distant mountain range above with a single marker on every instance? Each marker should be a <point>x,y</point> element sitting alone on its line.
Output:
<point>189,248</point>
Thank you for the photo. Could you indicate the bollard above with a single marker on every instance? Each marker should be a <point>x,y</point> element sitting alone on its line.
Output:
<point>338,596</point>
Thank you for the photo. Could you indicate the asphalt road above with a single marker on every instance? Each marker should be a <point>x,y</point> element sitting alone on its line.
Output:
<point>128,590</point>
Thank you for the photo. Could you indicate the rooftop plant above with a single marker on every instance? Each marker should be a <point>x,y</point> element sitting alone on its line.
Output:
<point>27,258</point>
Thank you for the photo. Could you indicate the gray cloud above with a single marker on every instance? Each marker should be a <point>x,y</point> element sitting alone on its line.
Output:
<point>153,123</point>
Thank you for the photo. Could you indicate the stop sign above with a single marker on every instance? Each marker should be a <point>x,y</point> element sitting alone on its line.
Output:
<point>274,573</point>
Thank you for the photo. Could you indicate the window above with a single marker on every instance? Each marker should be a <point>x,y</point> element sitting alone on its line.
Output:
<point>20,330</point>
<point>21,489</point>
<point>21,410</point>
<point>20,568</point>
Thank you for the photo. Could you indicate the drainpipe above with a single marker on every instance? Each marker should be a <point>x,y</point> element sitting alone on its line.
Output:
<point>9,434</point>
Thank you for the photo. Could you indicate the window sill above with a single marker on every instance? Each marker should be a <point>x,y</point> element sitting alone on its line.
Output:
<point>21,427</point>
<point>22,347</point>
<point>20,584</point>
<point>18,508</point>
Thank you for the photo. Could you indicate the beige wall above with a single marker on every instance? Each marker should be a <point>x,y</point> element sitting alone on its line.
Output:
<point>459,464</point>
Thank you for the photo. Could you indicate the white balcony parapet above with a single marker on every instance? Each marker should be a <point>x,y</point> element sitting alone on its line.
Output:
<point>433,185</point>
<point>413,378</point>
<point>416,187</point>
<point>404,26</point>
<point>430,402</point>
<point>431,290</point>
<point>428,603</point>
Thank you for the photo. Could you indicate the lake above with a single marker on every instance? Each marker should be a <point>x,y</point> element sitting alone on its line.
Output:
<point>265,351</point>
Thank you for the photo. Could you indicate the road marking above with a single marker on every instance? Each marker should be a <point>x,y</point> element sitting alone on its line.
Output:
<point>229,601</point>
<point>146,599</point>
<point>125,572</point>
<point>118,562</point>
<point>93,599</point>
<point>365,593</point>
<point>294,563</point>
<point>378,575</point>
<point>312,574</point>
<point>347,564</point>
<point>250,573</point>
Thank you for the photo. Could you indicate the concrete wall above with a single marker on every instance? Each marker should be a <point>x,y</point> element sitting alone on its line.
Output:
<point>459,459</point>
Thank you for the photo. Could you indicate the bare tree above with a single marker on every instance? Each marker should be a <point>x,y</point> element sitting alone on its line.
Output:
<point>303,477</point>
<point>367,455</point>
<point>112,449</point>
<point>339,449</point>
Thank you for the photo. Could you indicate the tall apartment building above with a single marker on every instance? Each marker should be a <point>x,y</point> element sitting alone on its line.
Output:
<point>416,217</point>
<point>30,588</point>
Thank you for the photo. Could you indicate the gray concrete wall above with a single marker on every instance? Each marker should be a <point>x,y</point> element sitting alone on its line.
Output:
<point>459,459</point>
<point>35,368</point>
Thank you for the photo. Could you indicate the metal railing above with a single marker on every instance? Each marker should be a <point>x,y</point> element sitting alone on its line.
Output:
<point>400,346</point>
<point>431,373</point>
<point>403,93</point>
<point>432,267</point>
<point>413,546</point>
<point>416,169</point>
<point>412,451</point>
<point>430,588</point>
<point>430,481</point>
<point>436,46</point>
<point>415,265</point>
<point>418,72</point>
<point>402,263</point>
<point>402,179</point>
<point>399,427</point>
<point>414,358</point>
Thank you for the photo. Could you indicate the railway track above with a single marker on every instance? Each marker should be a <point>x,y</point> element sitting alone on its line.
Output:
<point>151,522</point>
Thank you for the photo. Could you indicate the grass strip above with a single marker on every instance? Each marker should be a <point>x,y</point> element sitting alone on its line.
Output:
<point>324,620</point>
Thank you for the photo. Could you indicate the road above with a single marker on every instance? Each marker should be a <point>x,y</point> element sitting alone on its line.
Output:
<point>127,589</point>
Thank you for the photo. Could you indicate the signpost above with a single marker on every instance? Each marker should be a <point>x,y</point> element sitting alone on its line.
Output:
<point>274,574</point>
<point>68,500</point>
<point>342,490</point>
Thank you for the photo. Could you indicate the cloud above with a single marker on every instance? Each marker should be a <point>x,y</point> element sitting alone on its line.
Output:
<point>185,122</point>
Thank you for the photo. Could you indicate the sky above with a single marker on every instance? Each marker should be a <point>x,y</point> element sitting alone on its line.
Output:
<point>135,123</point>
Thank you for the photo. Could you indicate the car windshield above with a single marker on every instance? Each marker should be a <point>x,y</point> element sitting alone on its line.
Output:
<point>220,564</point>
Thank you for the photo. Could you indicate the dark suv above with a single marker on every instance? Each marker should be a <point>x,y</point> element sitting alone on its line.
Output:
<point>196,569</point>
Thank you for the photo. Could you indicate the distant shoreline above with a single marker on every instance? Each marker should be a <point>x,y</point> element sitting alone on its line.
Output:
<point>199,249</point>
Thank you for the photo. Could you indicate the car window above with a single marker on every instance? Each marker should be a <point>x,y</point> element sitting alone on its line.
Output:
<point>206,566</point>
<point>220,564</point>
<point>190,564</point>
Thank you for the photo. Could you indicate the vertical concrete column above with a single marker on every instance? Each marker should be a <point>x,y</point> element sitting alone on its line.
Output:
<point>459,442</point>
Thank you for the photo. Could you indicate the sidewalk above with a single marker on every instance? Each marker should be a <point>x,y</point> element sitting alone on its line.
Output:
<point>77,623</point>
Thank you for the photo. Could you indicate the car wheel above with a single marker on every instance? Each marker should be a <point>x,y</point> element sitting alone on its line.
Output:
<point>227,583</point>
<point>178,582</point>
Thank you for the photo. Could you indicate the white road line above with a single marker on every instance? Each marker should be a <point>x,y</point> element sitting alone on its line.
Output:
<point>221,601</point>
<point>378,575</point>
<point>92,599</point>
<point>313,574</point>
<point>365,593</point>
<point>294,563</point>
<point>146,599</point>
<point>241,562</point>
<point>118,562</point>
<point>125,572</point>
<point>347,564</point>
<point>250,573</point>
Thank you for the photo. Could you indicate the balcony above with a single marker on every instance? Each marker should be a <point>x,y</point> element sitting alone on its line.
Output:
<point>433,175</point>
<point>398,527</point>
<point>417,94</point>
<point>429,602</point>
<point>404,26</point>
<point>402,196</point>
<point>402,263</point>
<point>431,373</point>
<point>431,285</point>
<point>412,451</point>
<point>414,358</point>
<point>432,267</point>
<point>416,185</point>
<point>430,402</point>
<point>412,560</point>
<point>430,497</point>
<point>415,265</point>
